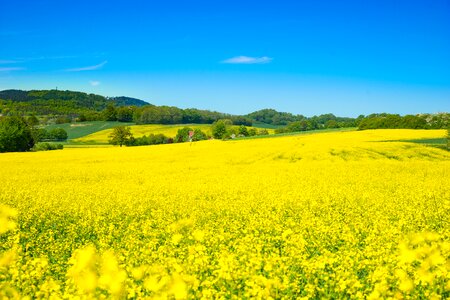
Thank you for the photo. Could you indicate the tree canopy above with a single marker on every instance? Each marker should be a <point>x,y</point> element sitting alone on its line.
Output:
<point>121,135</point>
<point>15,135</point>
<point>422,121</point>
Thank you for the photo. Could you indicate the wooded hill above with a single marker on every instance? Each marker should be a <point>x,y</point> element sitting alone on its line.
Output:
<point>53,106</point>
<point>67,106</point>
<point>54,102</point>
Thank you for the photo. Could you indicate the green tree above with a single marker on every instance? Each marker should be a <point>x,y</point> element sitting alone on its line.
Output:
<point>124,114</point>
<point>243,130</point>
<point>39,134</point>
<point>199,135</point>
<point>219,128</point>
<point>82,118</point>
<point>36,132</point>
<point>331,124</point>
<point>298,126</point>
<point>448,138</point>
<point>58,134</point>
<point>32,121</point>
<point>413,122</point>
<point>252,132</point>
<point>121,135</point>
<point>182,135</point>
<point>15,135</point>
<point>62,120</point>
<point>110,113</point>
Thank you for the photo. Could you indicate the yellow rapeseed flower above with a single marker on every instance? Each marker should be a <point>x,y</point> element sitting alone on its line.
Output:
<point>358,214</point>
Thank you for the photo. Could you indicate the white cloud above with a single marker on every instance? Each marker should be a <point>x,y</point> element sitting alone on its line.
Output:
<point>94,83</point>
<point>88,68</point>
<point>11,69</point>
<point>248,60</point>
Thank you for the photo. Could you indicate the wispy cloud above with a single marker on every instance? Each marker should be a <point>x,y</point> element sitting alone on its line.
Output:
<point>88,68</point>
<point>8,61</point>
<point>17,60</point>
<point>248,60</point>
<point>54,57</point>
<point>94,83</point>
<point>11,69</point>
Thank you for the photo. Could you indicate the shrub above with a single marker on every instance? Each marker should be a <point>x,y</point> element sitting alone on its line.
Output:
<point>263,132</point>
<point>47,147</point>
<point>243,131</point>
<point>152,139</point>
<point>57,134</point>
<point>199,135</point>
<point>252,132</point>
<point>62,120</point>
<point>183,135</point>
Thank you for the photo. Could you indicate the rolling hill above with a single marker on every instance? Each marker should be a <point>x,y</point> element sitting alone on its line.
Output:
<point>54,102</point>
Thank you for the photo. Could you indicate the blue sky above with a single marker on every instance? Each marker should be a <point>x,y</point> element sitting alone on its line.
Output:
<point>307,57</point>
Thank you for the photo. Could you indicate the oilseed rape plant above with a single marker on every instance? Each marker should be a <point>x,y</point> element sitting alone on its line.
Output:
<point>102,137</point>
<point>358,214</point>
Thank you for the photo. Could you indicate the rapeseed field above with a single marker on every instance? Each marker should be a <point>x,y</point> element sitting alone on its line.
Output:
<point>332,215</point>
<point>102,136</point>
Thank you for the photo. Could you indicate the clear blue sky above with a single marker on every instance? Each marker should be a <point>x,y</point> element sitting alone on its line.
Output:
<point>308,57</point>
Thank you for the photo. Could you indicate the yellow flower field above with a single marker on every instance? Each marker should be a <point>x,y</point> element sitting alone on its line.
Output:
<point>329,215</point>
<point>102,136</point>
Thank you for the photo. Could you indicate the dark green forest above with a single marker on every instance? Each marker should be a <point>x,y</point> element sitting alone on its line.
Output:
<point>60,104</point>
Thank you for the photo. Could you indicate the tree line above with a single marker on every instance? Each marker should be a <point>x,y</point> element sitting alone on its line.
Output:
<point>168,115</point>
<point>221,129</point>
<point>122,135</point>
<point>273,117</point>
<point>224,129</point>
<point>373,121</point>
<point>395,121</point>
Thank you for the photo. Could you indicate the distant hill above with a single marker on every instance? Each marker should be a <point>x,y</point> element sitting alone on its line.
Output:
<point>82,99</point>
<point>127,101</point>
<point>15,95</point>
<point>54,102</point>
<point>66,106</point>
